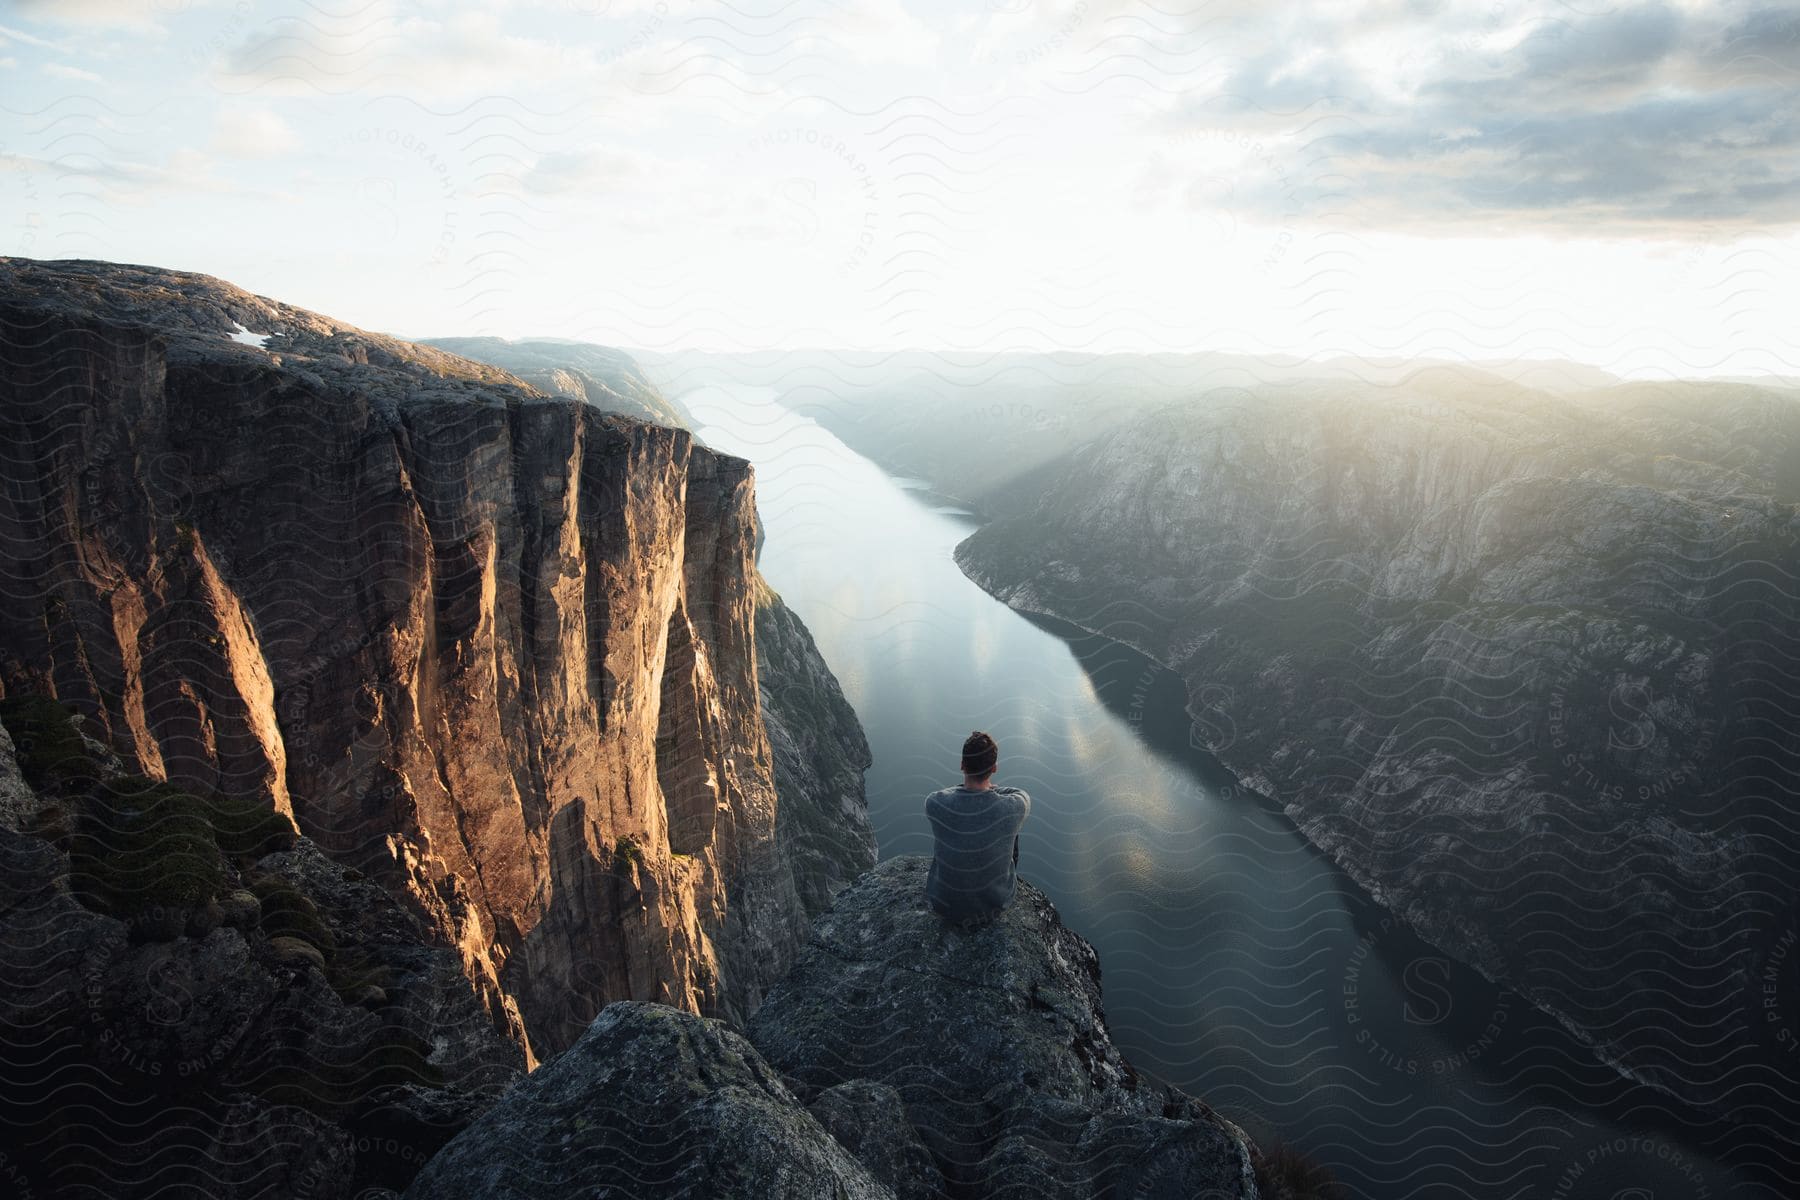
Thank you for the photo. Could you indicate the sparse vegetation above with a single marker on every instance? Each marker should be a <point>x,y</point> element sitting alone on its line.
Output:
<point>626,854</point>
<point>289,912</point>
<point>50,750</point>
<point>246,828</point>
<point>135,844</point>
<point>140,844</point>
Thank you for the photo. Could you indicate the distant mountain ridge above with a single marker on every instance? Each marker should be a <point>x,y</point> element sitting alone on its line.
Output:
<point>608,379</point>
<point>972,423</point>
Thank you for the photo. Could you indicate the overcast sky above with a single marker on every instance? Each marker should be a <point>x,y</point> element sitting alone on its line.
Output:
<point>1611,182</point>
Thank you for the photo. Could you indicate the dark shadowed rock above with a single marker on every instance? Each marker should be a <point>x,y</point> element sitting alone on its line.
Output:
<point>869,1120</point>
<point>996,1045</point>
<point>18,803</point>
<point>164,1058</point>
<point>650,1101</point>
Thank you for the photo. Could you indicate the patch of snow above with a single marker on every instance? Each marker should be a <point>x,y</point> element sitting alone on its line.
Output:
<point>245,338</point>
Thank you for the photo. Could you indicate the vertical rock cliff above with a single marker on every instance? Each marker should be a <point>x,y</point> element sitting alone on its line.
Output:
<point>497,649</point>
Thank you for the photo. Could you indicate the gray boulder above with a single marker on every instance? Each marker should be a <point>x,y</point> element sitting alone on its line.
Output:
<point>650,1101</point>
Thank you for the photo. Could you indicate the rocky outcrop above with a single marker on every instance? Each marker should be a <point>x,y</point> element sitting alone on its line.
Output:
<point>650,1101</point>
<point>995,1044</point>
<point>493,648</point>
<point>898,1058</point>
<point>1521,664</point>
<point>211,1006</point>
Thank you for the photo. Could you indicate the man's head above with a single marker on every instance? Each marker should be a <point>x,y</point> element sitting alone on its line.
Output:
<point>980,755</point>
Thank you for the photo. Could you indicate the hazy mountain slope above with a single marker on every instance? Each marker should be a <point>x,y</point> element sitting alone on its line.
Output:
<point>1524,665</point>
<point>604,377</point>
<point>972,424</point>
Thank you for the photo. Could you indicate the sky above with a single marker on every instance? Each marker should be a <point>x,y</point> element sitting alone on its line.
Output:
<point>1609,182</point>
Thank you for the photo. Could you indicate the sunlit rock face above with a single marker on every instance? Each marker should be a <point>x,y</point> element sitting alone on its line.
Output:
<point>495,648</point>
<point>1522,664</point>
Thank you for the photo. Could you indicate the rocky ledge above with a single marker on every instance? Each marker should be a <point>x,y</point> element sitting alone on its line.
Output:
<point>898,1058</point>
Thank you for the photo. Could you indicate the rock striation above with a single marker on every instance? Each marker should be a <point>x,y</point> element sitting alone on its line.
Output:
<point>493,648</point>
<point>1521,663</point>
<point>898,1058</point>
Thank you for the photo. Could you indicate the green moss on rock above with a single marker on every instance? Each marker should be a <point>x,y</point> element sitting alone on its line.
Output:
<point>288,912</point>
<point>143,844</point>
<point>52,755</point>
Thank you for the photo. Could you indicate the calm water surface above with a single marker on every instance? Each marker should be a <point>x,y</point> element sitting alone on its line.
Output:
<point>1238,963</point>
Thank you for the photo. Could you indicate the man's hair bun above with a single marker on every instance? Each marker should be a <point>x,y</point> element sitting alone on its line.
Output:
<point>980,754</point>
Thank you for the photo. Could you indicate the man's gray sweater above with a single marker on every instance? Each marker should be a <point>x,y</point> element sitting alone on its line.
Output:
<point>975,861</point>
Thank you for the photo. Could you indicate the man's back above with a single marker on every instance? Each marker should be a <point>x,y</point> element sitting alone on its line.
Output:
<point>975,861</point>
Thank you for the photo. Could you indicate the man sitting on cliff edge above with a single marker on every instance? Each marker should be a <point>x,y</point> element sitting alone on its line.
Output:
<point>975,831</point>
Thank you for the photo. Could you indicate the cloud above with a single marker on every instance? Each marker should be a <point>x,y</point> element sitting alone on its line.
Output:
<point>252,133</point>
<point>1645,120</point>
<point>140,15</point>
<point>865,31</point>
<point>8,35</point>
<point>129,182</point>
<point>62,71</point>
<point>586,171</point>
<point>383,46</point>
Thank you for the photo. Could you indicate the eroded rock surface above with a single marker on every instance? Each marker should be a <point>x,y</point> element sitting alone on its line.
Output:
<point>493,648</point>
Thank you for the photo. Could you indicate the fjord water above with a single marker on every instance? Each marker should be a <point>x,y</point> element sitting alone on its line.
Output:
<point>1238,963</point>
